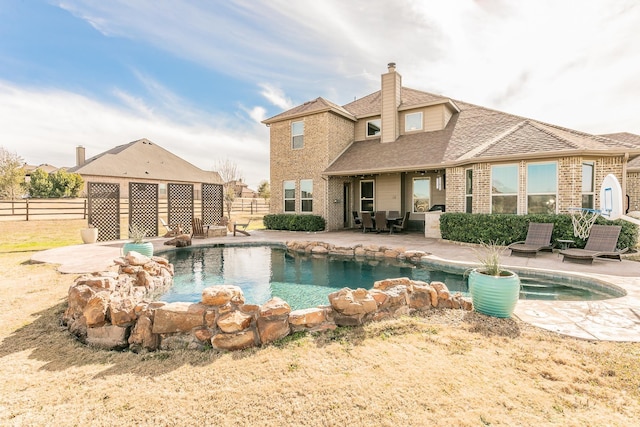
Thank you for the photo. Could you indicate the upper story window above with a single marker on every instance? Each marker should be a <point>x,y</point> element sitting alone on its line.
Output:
<point>374,127</point>
<point>542,188</point>
<point>297,134</point>
<point>504,189</point>
<point>413,121</point>
<point>588,185</point>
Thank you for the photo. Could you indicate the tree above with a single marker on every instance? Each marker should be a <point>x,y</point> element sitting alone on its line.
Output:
<point>65,184</point>
<point>229,173</point>
<point>39,184</point>
<point>55,185</point>
<point>11,174</point>
<point>264,190</point>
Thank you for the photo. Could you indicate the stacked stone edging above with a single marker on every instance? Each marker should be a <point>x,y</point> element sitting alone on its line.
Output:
<point>114,311</point>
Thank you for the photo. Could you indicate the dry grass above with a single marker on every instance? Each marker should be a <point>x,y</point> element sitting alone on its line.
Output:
<point>446,368</point>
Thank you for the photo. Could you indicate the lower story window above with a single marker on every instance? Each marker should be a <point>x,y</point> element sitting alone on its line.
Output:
<point>366,196</point>
<point>542,187</point>
<point>421,194</point>
<point>504,189</point>
<point>306,195</point>
<point>289,196</point>
<point>468,192</point>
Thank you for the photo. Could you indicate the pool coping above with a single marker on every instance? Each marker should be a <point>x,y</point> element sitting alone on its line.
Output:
<point>615,319</point>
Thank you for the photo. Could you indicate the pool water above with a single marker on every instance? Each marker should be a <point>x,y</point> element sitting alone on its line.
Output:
<point>304,281</point>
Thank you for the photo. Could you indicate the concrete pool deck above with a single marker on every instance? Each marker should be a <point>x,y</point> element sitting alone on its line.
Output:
<point>616,319</point>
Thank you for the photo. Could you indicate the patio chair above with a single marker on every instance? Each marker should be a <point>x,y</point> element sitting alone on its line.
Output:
<point>367,222</point>
<point>198,230</point>
<point>601,244</point>
<point>171,231</point>
<point>356,219</point>
<point>381,221</point>
<point>538,239</point>
<point>241,228</point>
<point>402,226</point>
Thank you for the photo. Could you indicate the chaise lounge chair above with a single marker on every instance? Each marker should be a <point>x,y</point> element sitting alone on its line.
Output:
<point>601,244</point>
<point>538,238</point>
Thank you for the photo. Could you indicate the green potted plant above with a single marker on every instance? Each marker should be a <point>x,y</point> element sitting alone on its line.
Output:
<point>494,290</point>
<point>137,234</point>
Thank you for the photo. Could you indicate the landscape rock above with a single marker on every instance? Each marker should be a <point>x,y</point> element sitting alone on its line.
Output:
<point>222,294</point>
<point>109,337</point>
<point>272,330</point>
<point>178,317</point>
<point>234,321</point>
<point>237,341</point>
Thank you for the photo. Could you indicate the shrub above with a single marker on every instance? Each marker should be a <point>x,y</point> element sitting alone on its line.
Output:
<point>476,228</point>
<point>294,222</point>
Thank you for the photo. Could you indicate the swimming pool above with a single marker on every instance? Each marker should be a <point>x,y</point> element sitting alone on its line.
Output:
<point>304,281</point>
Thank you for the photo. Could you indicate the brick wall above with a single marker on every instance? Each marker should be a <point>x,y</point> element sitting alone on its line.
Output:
<point>633,190</point>
<point>325,136</point>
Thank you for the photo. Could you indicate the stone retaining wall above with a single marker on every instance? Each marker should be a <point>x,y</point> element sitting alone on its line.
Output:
<point>116,311</point>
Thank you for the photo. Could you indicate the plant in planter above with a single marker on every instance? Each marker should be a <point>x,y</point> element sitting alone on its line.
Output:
<point>89,234</point>
<point>137,235</point>
<point>494,290</point>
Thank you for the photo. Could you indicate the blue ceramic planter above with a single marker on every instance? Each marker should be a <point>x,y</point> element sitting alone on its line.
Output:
<point>494,295</point>
<point>145,248</point>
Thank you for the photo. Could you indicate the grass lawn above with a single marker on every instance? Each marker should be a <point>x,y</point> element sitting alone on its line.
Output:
<point>447,368</point>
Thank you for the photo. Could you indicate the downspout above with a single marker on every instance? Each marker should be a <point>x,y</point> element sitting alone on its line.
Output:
<point>625,203</point>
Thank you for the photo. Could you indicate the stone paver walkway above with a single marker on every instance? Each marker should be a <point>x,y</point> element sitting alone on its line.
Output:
<point>616,319</point>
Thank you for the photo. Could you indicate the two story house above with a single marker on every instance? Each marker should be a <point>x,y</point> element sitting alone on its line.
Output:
<point>401,149</point>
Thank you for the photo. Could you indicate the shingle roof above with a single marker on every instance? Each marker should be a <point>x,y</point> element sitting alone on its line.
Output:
<point>318,105</point>
<point>144,159</point>
<point>631,138</point>
<point>474,132</point>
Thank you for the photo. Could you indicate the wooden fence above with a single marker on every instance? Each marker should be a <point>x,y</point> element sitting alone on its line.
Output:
<point>41,209</point>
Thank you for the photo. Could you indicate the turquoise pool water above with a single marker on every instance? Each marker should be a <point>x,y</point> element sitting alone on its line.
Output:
<point>305,281</point>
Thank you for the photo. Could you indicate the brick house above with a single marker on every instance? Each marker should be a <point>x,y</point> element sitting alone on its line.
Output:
<point>411,151</point>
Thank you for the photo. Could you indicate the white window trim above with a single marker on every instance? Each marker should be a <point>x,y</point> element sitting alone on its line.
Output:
<point>591,193</point>
<point>366,129</point>
<point>421,121</point>
<point>306,198</point>
<point>468,195</point>
<point>504,194</point>
<point>285,198</point>
<point>413,193</point>
<point>526,189</point>
<point>297,134</point>
<point>373,199</point>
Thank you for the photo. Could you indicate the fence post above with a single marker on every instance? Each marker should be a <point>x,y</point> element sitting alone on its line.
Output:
<point>84,210</point>
<point>27,209</point>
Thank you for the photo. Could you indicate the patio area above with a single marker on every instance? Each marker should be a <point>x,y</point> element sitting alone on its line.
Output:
<point>616,319</point>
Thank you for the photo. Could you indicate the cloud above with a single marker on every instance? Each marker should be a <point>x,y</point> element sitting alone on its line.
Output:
<point>45,126</point>
<point>275,96</point>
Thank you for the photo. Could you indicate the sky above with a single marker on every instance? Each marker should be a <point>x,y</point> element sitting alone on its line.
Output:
<point>197,77</point>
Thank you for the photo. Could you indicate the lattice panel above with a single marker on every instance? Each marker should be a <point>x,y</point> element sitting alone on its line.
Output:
<point>212,209</point>
<point>104,209</point>
<point>180,200</point>
<point>143,206</point>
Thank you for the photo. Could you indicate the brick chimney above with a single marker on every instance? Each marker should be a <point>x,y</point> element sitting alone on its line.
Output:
<point>391,96</point>
<point>80,155</point>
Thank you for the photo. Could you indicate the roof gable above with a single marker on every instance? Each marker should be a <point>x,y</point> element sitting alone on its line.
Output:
<point>318,105</point>
<point>144,159</point>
